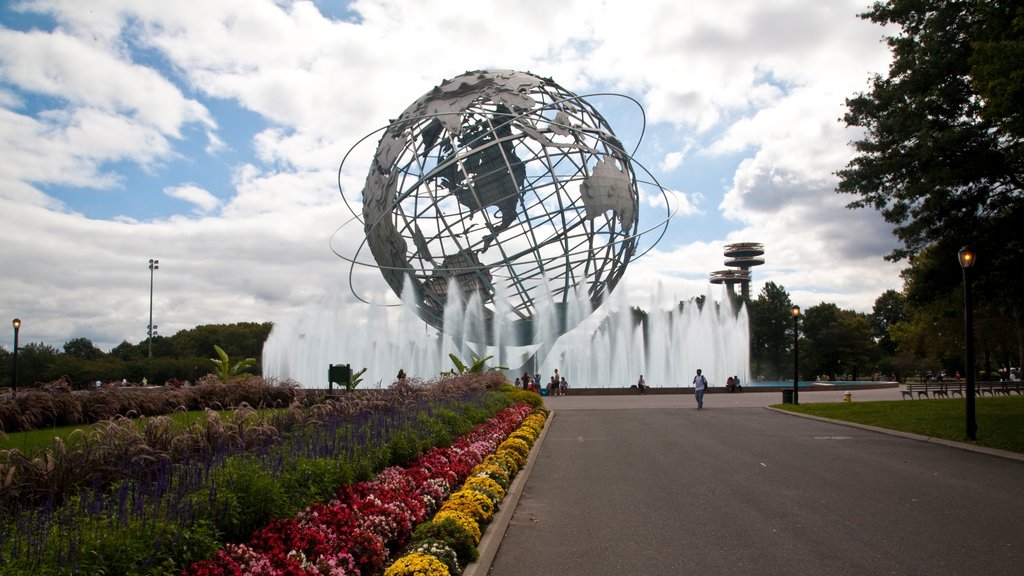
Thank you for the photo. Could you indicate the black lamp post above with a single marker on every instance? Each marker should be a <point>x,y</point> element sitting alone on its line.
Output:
<point>796,353</point>
<point>967,258</point>
<point>150,328</point>
<point>17,325</point>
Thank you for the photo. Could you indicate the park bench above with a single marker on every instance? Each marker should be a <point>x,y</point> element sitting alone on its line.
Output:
<point>1003,388</point>
<point>936,389</point>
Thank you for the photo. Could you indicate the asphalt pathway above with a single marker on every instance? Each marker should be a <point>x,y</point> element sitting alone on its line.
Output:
<point>631,485</point>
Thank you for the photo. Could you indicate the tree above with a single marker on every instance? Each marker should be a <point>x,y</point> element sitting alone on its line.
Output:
<point>942,157</point>
<point>771,330</point>
<point>82,348</point>
<point>997,66</point>
<point>836,342</point>
<point>889,310</point>
<point>34,359</point>
<point>932,162</point>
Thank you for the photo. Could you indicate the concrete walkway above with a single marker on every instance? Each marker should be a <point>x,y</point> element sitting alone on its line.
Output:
<point>649,485</point>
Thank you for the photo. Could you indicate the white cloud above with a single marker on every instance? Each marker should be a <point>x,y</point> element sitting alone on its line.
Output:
<point>204,201</point>
<point>121,86</point>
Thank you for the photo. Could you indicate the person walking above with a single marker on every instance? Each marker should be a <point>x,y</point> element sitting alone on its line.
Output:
<point>700,383</point>
<point>641,384</point>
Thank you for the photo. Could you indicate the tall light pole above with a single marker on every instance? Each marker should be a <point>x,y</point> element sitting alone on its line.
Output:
<point>967,257</point>
<point>150,328</point>
<point>796,353</point>
<point>17,325</point>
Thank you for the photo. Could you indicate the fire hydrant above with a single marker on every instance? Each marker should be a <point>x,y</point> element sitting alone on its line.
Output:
<point>848,397</point>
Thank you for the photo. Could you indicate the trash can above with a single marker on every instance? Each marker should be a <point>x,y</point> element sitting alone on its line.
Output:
<point>787,395</point>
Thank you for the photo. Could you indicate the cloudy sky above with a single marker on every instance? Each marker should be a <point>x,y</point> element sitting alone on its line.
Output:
<point>208,134</point>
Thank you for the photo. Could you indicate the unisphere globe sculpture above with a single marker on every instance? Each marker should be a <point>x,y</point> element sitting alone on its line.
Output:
<point>508,188</point>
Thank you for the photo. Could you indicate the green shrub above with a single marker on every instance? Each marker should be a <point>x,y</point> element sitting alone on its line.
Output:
<point>252,496</point>
<point>309,480</point>
<point>450,534</point>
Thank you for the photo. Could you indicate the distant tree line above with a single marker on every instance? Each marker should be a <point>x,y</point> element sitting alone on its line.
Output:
<point>185,356</point>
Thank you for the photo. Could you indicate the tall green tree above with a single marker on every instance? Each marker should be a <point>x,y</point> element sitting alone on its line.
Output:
<point>932,161</point>
<point>889,310</point>
<point>835,342</point>
<point>997,65</point>
<point>942,156</point>
<point>34,360</point>
<point>82,348</point>
<point>771,332</point>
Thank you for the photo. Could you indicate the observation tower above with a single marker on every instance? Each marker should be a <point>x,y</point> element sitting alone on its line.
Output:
<point>740,257</point>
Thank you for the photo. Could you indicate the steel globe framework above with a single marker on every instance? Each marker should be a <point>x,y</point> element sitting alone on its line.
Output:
<point>510,189</point>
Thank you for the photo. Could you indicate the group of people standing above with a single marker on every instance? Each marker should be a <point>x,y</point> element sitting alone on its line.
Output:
<point>556,385</point>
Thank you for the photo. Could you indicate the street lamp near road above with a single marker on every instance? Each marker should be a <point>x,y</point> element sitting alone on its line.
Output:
<point>796,353</point>
<point>17,326</point>
<point>967,257</point>
<point>151,328</point>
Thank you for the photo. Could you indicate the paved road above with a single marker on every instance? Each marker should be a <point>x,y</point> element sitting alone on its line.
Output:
<point>649,485</point>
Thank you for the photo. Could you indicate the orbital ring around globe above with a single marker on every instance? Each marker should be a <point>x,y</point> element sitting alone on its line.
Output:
<point>500,186</point>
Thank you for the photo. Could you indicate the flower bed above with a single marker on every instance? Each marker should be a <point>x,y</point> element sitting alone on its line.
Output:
<point>472,507</point>
<point>167,500</point>
<point>358,532</point>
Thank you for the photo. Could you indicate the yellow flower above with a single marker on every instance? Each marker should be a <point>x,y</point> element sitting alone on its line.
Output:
<point>485,483</point>
<point>463,520</point>
<point>513,451</point>
<point>518,446</point>
<point>417,564</point>
<point>524,434</point>
<point>471,502</point>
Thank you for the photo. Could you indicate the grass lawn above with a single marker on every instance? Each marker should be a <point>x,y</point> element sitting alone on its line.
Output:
<point>1000,419</point>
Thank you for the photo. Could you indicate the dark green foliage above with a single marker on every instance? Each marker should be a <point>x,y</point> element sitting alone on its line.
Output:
<point>82,348</point>
<point>441,551</point>
<point>771,332</point>
<point>451,534</point>
<point>889,310</point>
<point>836,343</point>
<point>315,479</point>
<point>248,496</point>
<point>931,161</point>
<point>244,339</point>
<point>942,157</point>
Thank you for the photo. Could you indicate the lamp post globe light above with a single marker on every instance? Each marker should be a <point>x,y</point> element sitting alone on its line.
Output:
<point>796,353</point>
<point>17,326</point>
<point>967,258</point>
<point>150,328</point>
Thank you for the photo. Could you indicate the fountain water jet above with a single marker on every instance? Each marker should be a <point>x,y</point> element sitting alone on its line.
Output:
<point>607,349</point>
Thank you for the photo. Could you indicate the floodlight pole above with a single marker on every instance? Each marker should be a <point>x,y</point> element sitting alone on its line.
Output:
<point>150,329</point>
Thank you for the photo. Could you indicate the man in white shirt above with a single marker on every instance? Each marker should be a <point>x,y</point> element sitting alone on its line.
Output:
<point>700,383</point>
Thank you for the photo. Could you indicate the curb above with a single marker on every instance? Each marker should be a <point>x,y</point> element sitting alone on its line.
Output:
<point>910,436</point>
<point>491,540</point>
